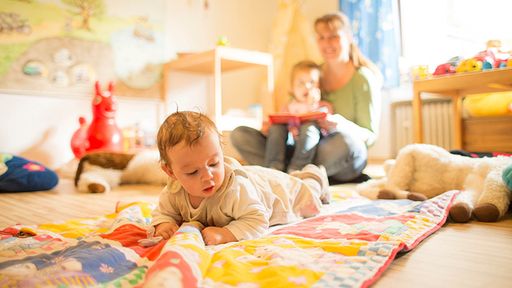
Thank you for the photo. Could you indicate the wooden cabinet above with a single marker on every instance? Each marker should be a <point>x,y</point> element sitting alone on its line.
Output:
<point>487,134</point>
<point>218,61</point>
<point>457,86</point>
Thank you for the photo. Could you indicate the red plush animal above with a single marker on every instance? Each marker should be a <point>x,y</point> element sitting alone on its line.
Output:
<point>103,132</point>
<point>443,69</point>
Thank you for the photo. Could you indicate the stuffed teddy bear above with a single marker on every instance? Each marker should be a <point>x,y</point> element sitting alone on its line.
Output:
<point>99,172</point>
<point>423,171</point>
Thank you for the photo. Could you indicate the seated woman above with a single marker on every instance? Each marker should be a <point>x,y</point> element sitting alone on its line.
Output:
<point>352,84</point>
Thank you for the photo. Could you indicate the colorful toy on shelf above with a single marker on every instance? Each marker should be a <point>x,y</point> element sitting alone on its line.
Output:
<point>443,69</point>
<point>102,133</point>
<point>490,58</point>
<point>469,65</point>
<point>493,57</point>
<point>501,58</point>
<point>504,60</point>
<point>420,72</point>
<point>448,67</point>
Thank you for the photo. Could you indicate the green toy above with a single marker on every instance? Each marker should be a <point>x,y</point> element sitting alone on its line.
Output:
<point>507,177</point>
<point>223,41</point>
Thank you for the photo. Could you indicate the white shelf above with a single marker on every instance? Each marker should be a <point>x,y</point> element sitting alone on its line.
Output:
<point>218,61</point>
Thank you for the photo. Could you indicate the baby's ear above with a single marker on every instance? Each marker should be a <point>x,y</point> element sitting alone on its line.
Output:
<point>167,170</point>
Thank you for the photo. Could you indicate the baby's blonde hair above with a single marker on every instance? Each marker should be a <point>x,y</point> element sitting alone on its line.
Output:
<point>186,126</point>
<point>304,65</point>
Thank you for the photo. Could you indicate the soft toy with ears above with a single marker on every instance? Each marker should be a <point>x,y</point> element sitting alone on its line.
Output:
<point>99,172</point>
<point>423,171</point>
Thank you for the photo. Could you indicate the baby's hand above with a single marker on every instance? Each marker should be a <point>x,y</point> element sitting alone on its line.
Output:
<point>217,235</point>
<point>166,229</point>
<point>328,123</point>
<point>295,131</point>
<point>314,95</point>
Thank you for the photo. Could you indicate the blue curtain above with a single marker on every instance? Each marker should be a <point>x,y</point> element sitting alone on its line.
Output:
<point>377,33</point>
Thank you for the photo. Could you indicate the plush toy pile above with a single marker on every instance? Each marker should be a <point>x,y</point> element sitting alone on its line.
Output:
<point>423,171</point>
<point>493,57</point>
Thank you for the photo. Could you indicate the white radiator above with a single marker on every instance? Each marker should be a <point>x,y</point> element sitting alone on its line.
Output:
<point>437,123</point>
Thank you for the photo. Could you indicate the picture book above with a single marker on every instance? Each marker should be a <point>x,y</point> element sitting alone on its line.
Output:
<point>289,118</point>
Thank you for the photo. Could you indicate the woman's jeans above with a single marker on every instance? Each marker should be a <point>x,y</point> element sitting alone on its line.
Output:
<point>343,156</point>
<point>304,146</point>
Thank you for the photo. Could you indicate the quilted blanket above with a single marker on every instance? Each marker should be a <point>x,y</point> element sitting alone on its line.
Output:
<point>349,245</point>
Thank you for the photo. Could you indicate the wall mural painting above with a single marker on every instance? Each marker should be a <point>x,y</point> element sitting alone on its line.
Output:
<point>62,47</point>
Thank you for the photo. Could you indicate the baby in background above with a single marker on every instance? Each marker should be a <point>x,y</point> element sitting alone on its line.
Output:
<point>232,201</point>
<point>305,81</point>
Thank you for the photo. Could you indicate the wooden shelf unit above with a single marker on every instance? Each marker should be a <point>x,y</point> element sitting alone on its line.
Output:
<point>457,86</point>
<point>220,60</point>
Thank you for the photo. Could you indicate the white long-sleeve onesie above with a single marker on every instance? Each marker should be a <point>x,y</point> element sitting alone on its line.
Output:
<point>250,199</point>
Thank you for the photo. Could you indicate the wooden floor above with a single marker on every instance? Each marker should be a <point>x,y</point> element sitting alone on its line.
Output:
<point>64,203</point>
<point>458,255</point>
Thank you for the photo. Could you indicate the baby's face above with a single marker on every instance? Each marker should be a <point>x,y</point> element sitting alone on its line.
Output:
<point>305,86</point>
<point>199,168</point>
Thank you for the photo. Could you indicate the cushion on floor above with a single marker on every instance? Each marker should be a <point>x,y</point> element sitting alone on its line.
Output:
<point>18,174</point>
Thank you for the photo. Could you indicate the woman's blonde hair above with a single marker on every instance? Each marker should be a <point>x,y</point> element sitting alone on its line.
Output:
<point>186,126</point>
<point>339,21</point>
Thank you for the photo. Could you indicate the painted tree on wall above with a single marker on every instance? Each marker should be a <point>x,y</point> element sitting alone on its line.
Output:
<point>86,9</point>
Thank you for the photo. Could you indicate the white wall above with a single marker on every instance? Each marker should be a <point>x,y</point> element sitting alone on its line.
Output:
<point>246,23</point>
<point>40,127</point>
<point>382,149</point>
<point>459,28</point>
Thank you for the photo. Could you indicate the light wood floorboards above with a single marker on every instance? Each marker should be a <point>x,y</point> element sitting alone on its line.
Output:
<point>458,255</point>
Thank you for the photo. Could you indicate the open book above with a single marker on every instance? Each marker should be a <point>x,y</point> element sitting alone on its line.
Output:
<point>295,119</point>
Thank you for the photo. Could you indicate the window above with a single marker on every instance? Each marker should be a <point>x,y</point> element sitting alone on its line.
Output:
<point>436,30</point>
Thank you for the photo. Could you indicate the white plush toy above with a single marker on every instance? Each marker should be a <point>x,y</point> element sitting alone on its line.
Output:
<point>99,172</point>
<point>423,171</point>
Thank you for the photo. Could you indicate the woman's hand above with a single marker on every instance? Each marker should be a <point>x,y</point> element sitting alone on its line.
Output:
<point>328,123</point>
<point>166,229</point>
<point>217,235</point>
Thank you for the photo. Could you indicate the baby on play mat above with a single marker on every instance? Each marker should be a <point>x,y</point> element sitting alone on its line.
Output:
<point>232,201</point>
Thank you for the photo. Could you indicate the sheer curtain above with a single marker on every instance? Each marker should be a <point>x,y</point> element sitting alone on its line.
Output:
<point>376,27</point>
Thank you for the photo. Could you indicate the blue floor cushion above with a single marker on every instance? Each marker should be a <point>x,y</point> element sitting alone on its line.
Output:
<point>18,174</point>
